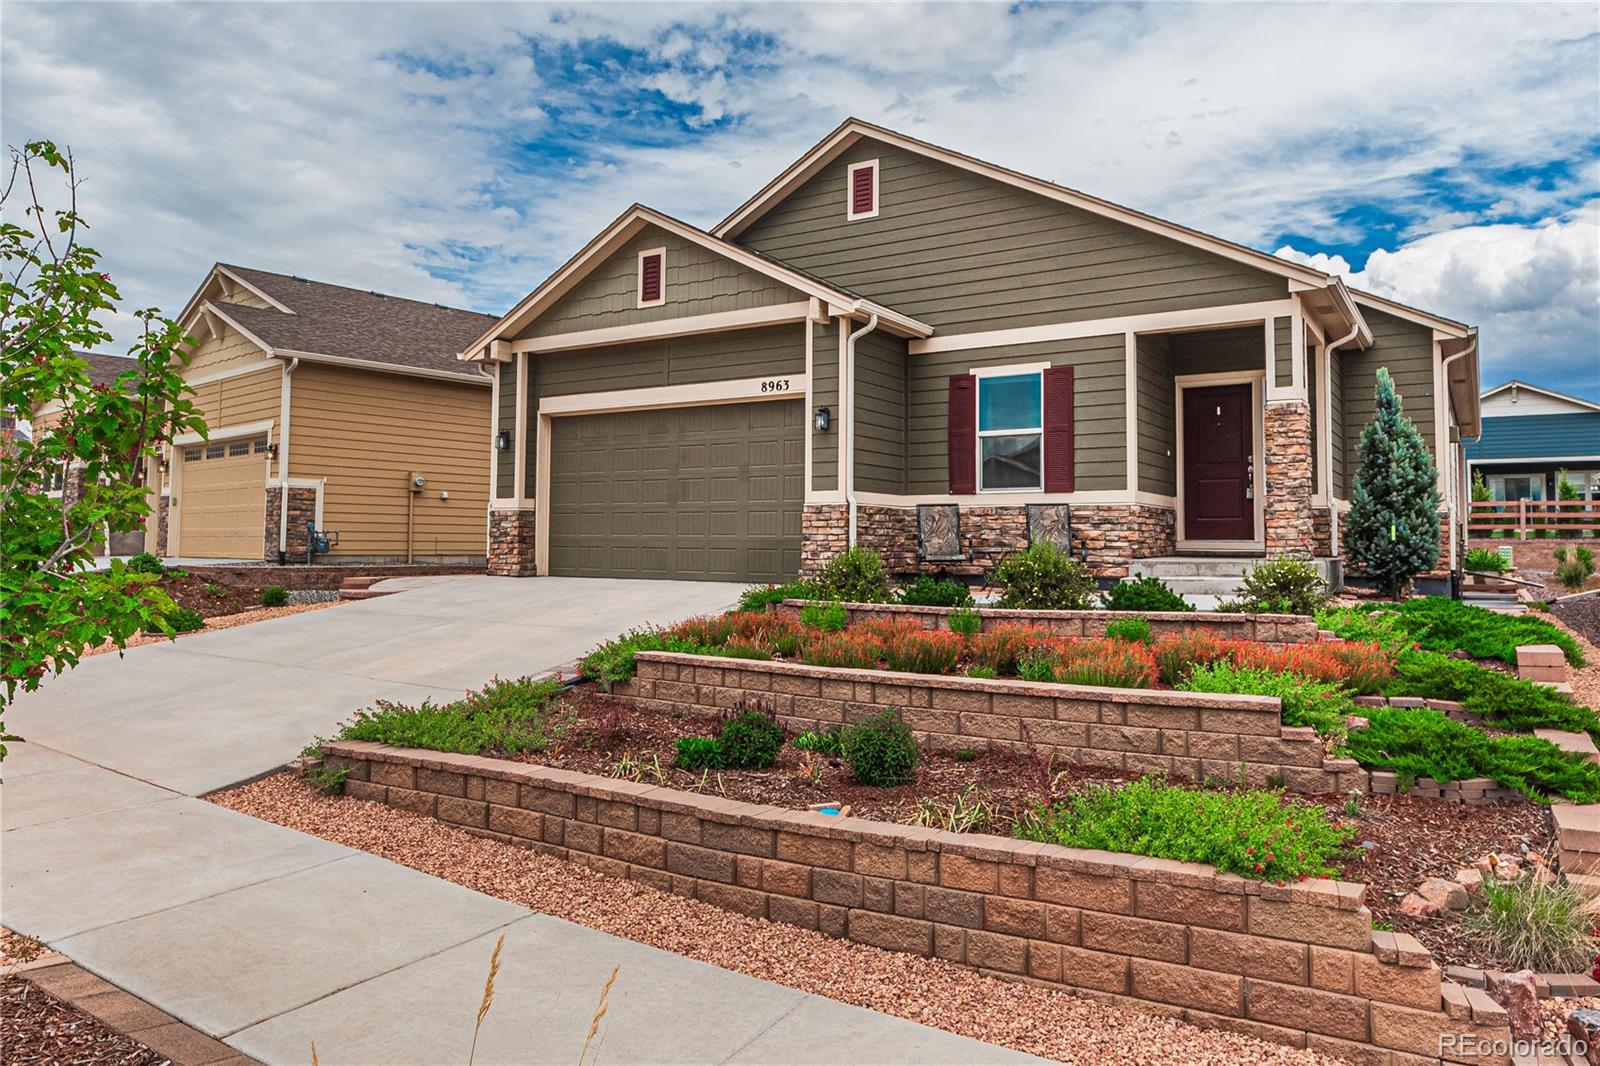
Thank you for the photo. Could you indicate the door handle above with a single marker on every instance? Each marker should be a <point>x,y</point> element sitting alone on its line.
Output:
<point>1250,477</point>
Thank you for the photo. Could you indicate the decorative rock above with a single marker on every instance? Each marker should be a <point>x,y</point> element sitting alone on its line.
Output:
<point>1415,906</point>
<point>1445,895</point>
<point>1584,1024</point>
<point>1355,722</point>
<point>1518,995</point>
<point>1471,879</point>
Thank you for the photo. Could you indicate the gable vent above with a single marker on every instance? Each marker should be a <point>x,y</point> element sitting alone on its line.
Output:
<point>861,190</point>
<point>652,280</point>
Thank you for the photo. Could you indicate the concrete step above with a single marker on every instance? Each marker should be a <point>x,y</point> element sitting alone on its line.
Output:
<point>1577,828</point>
<point>1580,743</point>
<point>1169,567</point>
<point>365,594</point>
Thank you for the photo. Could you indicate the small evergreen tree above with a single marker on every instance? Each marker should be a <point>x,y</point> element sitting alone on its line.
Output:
<point>1393,529</point>
<point>1480,488</point>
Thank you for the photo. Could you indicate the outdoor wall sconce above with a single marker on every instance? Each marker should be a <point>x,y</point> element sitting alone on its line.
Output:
<point>164,463</point>
<point>272,451</point>
<point>502,440</point>
<point>822,419</point>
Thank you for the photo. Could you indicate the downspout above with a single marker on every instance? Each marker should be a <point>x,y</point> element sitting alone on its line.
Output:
<point>283,463</point>
<point>848,375</point>
<point>1444,383</point>
<point>1333,507</point>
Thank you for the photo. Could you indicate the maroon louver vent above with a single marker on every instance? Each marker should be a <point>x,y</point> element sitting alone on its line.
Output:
<point>861,190</point>
<point>963,434</point>
<point>650,278</point>
<point>1058,457</point>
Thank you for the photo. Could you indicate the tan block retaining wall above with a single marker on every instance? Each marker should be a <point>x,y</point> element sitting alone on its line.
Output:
<point>1272,628</point>
<point>1192,736</point>
<point>1297,964</point>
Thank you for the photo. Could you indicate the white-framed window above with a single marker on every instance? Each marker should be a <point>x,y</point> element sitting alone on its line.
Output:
<point>215,451</point>
<point>191,455</point>
<point>1010,429</point>
<point>861,190</point>
<point>261,445</point>
<point>238,448</point>
<point>652,277</point>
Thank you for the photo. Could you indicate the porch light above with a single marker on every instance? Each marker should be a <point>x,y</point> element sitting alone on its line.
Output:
<point>821,420</point>
<point>502,440</point>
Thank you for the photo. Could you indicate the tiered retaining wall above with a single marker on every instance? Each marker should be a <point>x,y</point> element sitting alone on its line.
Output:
<point>1272,628</point>
<point>1194,736</point>
<point>1298,964</point>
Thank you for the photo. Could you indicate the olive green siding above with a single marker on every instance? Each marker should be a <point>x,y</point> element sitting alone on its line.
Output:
<point>693,360</point>
<point>1158,431</point>
<point>698,282</point>
<point>530,434</point>
<point>1341,487</point>
<point>1407,350</point>
<point>880,408</point>
<point>1100,412</point>
<point>964,253</point>
<point>1283,351</point>
<point>1310,372</point>
<point>1217,351</point>
<point>505,462</point>
<point>825,393</point>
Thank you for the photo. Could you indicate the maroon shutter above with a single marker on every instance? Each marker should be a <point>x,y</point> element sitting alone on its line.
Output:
<point>650,278</point>
<point>963,434</point>
<point>861,190</point>
<point>1058,458</point>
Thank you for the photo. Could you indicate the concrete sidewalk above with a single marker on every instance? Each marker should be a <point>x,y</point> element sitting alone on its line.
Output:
<point>269,939</point>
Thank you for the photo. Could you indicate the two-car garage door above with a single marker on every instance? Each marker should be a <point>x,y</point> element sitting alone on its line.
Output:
<point>711,493</point>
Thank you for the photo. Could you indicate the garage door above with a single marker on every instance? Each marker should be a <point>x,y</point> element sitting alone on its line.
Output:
<point>708,493</point>
<point>222,500</point>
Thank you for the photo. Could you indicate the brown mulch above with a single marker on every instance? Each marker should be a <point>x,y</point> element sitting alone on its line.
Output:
<point>1581,618</point>
<point>227,621</point>
<point>214,598</point>
<point>1030,1018</point>
<point>36,1027</point>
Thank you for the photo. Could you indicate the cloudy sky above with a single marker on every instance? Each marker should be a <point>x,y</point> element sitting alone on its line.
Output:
<point>1446,156</point>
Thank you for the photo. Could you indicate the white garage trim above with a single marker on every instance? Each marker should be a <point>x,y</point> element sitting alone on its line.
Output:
<point>717,322</point>
<point>243,429</point>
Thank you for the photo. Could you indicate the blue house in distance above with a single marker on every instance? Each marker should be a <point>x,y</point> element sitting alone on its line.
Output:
<point>1531,433</point>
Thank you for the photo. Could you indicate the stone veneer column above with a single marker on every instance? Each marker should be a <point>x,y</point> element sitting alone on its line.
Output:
<point>512,541</point>
<point>1290,529</point>
<point>302,509</point>
<point>824,533</point>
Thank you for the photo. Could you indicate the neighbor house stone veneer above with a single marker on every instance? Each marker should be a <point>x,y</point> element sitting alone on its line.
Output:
<point>1299,964</point>
<point>1289,524</point>
<point>512,536</point>
<point>302,509</point>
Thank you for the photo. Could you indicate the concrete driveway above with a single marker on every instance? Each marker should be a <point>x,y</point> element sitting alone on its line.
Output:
<point>214,709</point>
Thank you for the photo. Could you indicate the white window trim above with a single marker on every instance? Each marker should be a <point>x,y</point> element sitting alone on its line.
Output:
<point>639,278</point>
<point>850,214</point>
<point>1017,370</point>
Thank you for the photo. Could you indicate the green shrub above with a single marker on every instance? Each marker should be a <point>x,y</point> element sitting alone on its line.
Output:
<point>758,597</point>
<point>698,753</point>
<point>967,622</point>
<point>927,591</point>
<point>328,780</point>
<point>1324,707</point>
<point>881,751</point>
<point>504,717</point>
<point>186,620</point>
<point>829,743</point>
<point>1484,561</point>
<point>966,755</point>
<point>1532,925</point>
<point>985,672</point>
<point>1421,743</point>
<point>1437,623</point>
<point>1281,586</point>
<point>1136,630</point>
<point>276,596</point>
<point>1038,664</point>
<point>1043,577</point>
<point>216,592</point>
<point>826,617</point>
<point>146,563</point>
<point>856,576</point>
<point>750,740</point>
<point>612,662</point>
<point>1574,568</point>
<point>1144,594</point>
<point>1503,700</point>
<point>1251,833</point>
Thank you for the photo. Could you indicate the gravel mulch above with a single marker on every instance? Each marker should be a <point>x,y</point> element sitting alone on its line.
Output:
<point>1581,618</point>
<point>36,1027</point>
<point>1029,1018</point>
<point>227,621</point>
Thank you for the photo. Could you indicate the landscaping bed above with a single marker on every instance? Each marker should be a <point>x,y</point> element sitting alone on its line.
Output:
<point>36,1027</point>
<point>1582,615</point>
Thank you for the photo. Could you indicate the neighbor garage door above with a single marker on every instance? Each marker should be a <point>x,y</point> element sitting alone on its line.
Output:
<point>708,493</point>
<point>222,500</point>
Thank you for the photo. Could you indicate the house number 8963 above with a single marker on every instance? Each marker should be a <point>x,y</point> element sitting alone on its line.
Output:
<point>775,385</point>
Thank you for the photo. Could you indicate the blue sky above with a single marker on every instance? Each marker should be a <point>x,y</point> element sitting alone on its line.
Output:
<point>1447,156</point>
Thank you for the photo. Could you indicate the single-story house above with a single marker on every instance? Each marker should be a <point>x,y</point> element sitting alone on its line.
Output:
<point>328,405</point>
<point>1530,434</point>
<point>888,330</point>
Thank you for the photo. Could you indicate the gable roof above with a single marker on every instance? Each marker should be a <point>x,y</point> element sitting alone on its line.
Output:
<point>1298,275</point>
<point>105,369</point>
<point>636,218</point>
<point>1552,393</point>
<point>321,322</point>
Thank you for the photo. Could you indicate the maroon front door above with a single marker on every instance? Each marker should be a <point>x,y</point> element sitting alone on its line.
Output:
<point>1217,461</point>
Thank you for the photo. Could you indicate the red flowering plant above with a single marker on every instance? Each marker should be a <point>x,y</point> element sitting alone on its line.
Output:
<point>1110,662</point>
<point>1000,649</point>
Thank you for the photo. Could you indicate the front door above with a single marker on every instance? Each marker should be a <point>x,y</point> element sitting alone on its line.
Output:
<point>1218,463</point>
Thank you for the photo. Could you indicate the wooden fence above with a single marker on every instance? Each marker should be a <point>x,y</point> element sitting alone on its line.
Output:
<point>1522,518</point>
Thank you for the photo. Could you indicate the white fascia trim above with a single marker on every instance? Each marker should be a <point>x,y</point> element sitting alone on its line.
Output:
<point>743,390</point>
<point>234,372</point>
<point>1534,388</point>
<point>1108,497</point>
<point>199,297</point>
<point>623,229</point>
<point>661,279</point>
<point>511,503</point>
<point>860,310</point>
<point>1489,460</point>
<point>211,309</point>
<point>479,379</point>
<point>258,290</point>
<point>853,130</point>
<point>1016,369</point>
<point>850,193</point>
<point>1155,322</point>
<point>243,429</point>
<point>691,325</point>
<point>1448,326</point>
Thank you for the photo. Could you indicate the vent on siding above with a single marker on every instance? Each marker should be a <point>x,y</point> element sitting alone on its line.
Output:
<point>652,281</point>
<point>861,190</point>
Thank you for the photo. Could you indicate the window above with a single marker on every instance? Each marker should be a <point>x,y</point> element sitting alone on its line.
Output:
<point>1011,431</point>
<point>652,277</point>
<point>238,448</point>
<point>861,190</point>
<point>261,445</point>
<point>215,451</point>
<point>191,455</point>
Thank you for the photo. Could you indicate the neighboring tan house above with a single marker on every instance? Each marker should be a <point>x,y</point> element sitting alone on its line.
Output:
<point>1530,434</point>
<point>889,325</point>
<point>326,404</point>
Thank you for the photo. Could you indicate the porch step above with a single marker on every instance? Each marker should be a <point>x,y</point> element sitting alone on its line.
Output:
<point>1203,576</point>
